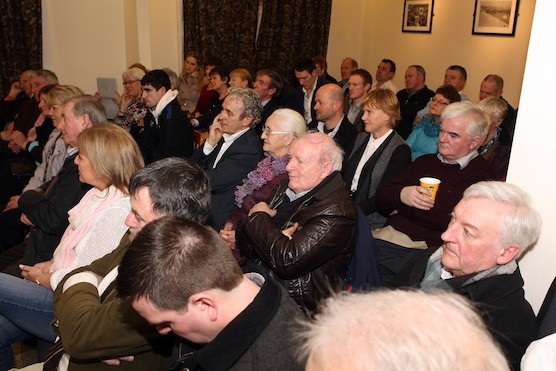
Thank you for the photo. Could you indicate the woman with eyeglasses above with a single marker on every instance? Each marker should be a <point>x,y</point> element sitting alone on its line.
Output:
<point>423,140</point>
<point>281,128</point>
<point>132,109</point>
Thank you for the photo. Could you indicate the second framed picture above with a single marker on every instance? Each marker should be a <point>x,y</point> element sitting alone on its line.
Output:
<point>495,17</point>
<point>417,16</point>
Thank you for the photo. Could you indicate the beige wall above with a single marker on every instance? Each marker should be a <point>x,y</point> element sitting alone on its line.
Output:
<point>84,40</point>
<point>370,30</point>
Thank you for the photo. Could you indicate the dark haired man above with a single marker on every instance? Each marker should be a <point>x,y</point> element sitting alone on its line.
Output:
<point>268,84</point>
<point>310,82</point>
<point>167,131</point>
<point>93,323</point>
<point>243,320</point>
<point>384,75</point>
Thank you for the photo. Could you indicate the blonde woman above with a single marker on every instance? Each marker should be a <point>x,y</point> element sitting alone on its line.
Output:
<point>108,157</point>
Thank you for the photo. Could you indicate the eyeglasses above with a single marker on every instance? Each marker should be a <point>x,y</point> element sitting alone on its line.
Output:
<point>129,82</point>
<point>267,131</point>
<point>434,100</point>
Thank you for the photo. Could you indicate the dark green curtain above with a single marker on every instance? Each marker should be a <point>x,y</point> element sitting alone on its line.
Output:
<point>20,39</point>
<point>289,30</point>
<point>224,29</point>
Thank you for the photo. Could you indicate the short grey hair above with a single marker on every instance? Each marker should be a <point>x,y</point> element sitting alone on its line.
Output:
<point>86,104</point>
<point>522,223</point>
<point>133,72</point>
<point>252,105</point>
<point>290,120</point>
<point>400,330</point>
<point>495,107</point>
<point>478,120</point>
<point>49,76</point>
<point>174,78</point>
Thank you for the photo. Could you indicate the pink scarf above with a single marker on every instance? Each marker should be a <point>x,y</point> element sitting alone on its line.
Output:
<point>81,220</point>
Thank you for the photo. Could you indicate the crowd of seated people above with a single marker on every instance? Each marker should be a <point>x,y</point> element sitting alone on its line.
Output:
<point>280,207</point>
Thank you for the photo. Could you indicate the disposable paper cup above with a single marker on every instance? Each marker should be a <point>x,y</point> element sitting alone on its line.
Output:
<point>431,184</point>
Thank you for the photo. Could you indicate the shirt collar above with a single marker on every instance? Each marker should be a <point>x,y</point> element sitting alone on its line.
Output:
<point>232,137</point>
<point>462,161</point>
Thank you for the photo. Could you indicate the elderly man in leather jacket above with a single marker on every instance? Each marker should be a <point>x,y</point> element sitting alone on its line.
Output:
<point>306,231</point>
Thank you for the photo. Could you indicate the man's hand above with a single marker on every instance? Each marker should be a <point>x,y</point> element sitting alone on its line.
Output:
<point>25,220</point>
<point>417,197</point>
<point>12,203</point>
<point>262,206</point>
<point>228,234</point>
<point>14,147</point>
<point>117,361</point>
<point>288,232</point>
<point>15,89</point>
<point>215,132</point>
<point>18,138</point>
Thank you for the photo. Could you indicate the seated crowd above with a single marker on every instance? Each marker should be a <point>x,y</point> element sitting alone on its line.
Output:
<point>144,248</point>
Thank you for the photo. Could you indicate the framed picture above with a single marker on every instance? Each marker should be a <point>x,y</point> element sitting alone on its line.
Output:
<point>417,16</point>
<point>495,17</point>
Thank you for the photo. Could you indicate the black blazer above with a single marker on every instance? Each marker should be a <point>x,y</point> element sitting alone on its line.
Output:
<point>268,109</point>
<point>48,211</point>
<point>300,97</point>
<point>345,136</point>
<point>238,160</point>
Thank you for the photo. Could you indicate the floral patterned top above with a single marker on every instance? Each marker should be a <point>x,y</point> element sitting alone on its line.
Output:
<point>134,113</point>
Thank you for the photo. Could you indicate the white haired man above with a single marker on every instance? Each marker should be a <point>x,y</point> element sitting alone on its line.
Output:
<point>306,231</point>
<point>400,330</point>
<point>489,229</point>
<point>420,220</point>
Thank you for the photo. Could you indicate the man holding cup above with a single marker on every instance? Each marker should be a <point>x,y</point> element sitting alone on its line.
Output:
<point>417,220</point>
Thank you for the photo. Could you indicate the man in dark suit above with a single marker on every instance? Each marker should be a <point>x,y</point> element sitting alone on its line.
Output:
<point>413,98</point>
<point>231,150</point>
<point>268,86</point>
<point>330,118</point>
<point>310,82</point>
<point>493,86</point>
<point>168,131</point>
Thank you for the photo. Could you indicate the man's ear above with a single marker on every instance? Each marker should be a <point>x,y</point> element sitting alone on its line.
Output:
<point>475,142</point>
<point>508,254</point>
<point>326,169</point>
<point>204,303</point>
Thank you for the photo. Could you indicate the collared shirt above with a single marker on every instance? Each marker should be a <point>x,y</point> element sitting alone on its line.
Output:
<point>266,101</point>
<point>370,149</point>
<point>321,127</point>
<point>462,161</point>
<point>71,151</point>
<point>353,111</point>
<point>294,196</point>
<point>385,85</point>
<point>228,141</point>
<point>307,99</point>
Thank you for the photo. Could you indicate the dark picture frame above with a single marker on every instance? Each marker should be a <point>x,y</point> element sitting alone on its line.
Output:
<point>417,16</point>
<point>495,17</point>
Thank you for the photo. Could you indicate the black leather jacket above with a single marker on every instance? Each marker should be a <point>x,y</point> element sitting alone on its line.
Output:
<point>312,264</point>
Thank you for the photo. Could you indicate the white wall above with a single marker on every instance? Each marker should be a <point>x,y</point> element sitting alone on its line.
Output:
<point>534,152</point>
